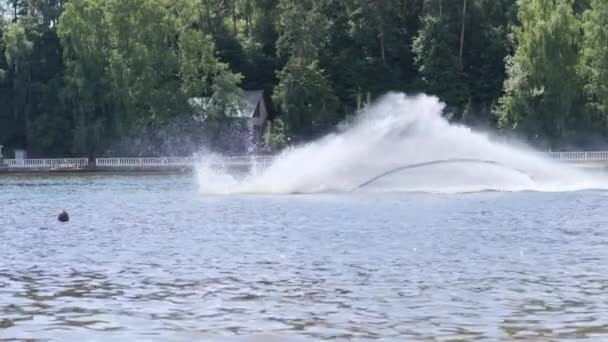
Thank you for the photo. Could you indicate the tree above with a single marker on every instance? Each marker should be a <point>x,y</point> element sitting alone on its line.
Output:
<point>302,26</point>
<point>16,8</point>
<point>86,51</point>
<point>460,51</point>
<point>77,76</point>
<point>46,12</point>
<point>594,61</point>
<point>304,93</point>
<point>487,44</point>
<point>135,64</point>
<point>436,50</point>
<point>542,84</point>
<point>275,138</point>
<point>438,66</point>
<point>18,51</point>
<point>305,97</point>
<point>7,131</point>
<point>35,75</point>
<point>369,49</point>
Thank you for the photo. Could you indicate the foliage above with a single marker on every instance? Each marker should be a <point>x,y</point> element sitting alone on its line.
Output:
<point>543,83</point>
<point>78,76</point>
<point>594,60</point>
<point>304,93</point>
<point>275,136</point>
<point>438,65</point>
<point>138,66</point>
<point>305,97</point>
<point>460,51</point>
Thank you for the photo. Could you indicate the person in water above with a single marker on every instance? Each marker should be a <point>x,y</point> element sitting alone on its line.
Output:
<point>63,216</point>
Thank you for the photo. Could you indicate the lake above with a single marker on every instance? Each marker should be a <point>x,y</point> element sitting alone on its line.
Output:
<point>150,258</point>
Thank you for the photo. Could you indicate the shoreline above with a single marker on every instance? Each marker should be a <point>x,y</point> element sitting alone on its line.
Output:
<point>181,165</point>
<point>92,172</point>
<point>114,170</point>
<point>29,170</point>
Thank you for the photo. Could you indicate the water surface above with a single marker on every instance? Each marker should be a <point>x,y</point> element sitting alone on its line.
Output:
<point>147,257</point>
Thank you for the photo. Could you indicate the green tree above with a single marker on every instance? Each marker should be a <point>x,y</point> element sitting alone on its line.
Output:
<point>134,64</point>
<point>302,26</point>
<point>86,48</point>
<point>16,8</point>
<point>368,47</point>
<point>305,97</point>
<point>304,93</point>
<point>18,52</point>
<point>594,61</point>
<point>6,116</point>
<point>35,73</point>
<point>275,138</point>
<point>76,76</point>
<point>46,12</point>
<point>383,31</point>
<point>486,44</point>
<point>460,51</point>
<point>542,85</point>
<point>438,61</point>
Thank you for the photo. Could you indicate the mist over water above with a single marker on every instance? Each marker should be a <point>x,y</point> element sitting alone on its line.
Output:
<point>396,131</point>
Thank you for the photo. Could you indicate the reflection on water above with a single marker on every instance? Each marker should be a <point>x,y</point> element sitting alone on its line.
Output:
<point>147,258</point>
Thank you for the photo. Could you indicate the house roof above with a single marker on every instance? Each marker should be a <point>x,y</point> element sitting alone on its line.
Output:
<point>248,103</point>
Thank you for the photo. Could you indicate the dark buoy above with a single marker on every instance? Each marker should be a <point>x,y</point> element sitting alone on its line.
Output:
<point>63,216</point>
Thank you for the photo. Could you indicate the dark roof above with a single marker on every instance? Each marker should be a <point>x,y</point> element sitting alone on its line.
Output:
<point>248,103</point>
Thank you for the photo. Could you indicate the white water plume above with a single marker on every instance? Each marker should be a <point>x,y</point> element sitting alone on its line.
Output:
<point>397,131</point>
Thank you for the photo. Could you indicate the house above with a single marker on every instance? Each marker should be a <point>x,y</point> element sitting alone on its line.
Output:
<point>245,123</point>
<point>253,109</point>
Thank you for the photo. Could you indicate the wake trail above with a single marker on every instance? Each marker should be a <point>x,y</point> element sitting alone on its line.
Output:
<point>437,162</point>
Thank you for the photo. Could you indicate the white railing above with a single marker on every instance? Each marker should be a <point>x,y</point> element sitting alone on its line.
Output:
<point>134,162</point>
<point>581,156</point>
<point>267,159</point>
<point>50,163</point>
<point>179,161</point>
<point>78,163</point>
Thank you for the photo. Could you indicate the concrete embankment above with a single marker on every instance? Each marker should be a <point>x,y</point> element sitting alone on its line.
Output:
<point>116,165</point>
<point>161,169</point>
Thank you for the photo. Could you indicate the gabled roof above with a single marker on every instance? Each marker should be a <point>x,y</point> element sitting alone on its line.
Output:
<point>248,103</point>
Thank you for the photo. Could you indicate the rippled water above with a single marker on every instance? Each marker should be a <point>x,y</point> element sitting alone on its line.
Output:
<point>147,257</point>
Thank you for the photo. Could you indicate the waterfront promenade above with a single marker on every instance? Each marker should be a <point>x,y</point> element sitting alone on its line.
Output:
<point>186,164</point>
<point>130,164</point>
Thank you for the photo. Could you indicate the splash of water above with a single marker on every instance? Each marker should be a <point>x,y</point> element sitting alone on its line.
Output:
<point>395,131</point>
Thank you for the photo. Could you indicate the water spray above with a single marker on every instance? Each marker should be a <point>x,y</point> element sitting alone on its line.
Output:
<point>397,133</point>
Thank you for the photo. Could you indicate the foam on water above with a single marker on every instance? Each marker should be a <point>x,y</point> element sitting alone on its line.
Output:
<point>395,131</point>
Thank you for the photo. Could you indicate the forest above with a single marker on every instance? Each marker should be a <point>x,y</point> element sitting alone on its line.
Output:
<point>88,77</point>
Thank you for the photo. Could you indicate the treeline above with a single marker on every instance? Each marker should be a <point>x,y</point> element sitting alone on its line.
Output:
<point>78,75</point>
